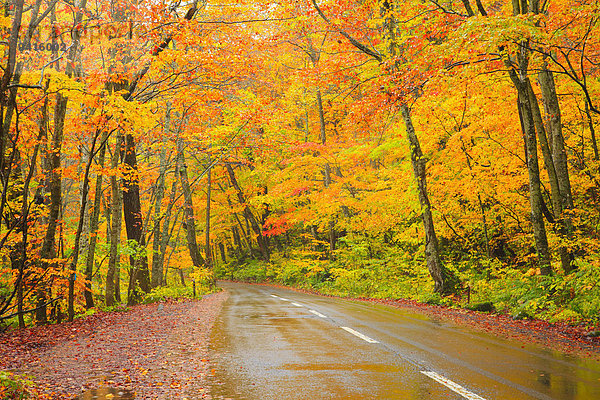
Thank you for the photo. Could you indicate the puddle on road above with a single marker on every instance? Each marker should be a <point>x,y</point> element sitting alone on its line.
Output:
<point>367,367</point>
<point>106,393</point>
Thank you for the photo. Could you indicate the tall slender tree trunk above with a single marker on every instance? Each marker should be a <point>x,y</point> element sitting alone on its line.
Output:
<point>546,151</point>
<point>134,224</point>
<point>48,250</point>
<point>237,241</point>
<point>246,235</point>
<point>592,130</point>
<point>165,236</point>
<point>7,95</point>
<point>326,173</point>
<point>94,218</point>
<point>76,247</point>
<point>157,269</point>
<point>555,187</point>
<point>207,231</point>
<point>535,193</point>
<point>222,251</point>
<point>189,221</point>
<point>323,137</point>
<point>559,158</point>
<point>481,208</point>
<point>248,214</point>
<point>485,227</point>
<point>85,230</point>
<point>442,283</point>
<point>112,275</point>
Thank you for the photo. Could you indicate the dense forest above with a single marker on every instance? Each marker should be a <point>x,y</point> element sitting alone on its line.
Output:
<point>443,151</point>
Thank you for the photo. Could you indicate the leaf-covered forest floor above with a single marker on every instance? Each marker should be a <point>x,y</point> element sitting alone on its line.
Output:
<point>580,340</point>
<point>158,351</point>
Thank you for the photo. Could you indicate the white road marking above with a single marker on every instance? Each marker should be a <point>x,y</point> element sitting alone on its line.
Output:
<point>360,335</point>
<point>318,314</point>
<point>281,298</point>
<point>297,305</point>
<point>452,386</point>
<point>277,297</point>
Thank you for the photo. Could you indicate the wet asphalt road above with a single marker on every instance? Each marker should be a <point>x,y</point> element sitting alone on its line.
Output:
<point>273,343</point>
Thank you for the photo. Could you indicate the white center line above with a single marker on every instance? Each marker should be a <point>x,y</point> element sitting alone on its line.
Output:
<point>297,305</point>
<point>274,296</point>
<point>360,335</point>
<point>452,386</point>
<point>281,298</point>
<point>318,314</point>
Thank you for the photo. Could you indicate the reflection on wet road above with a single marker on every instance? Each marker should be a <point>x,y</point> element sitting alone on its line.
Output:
<point>278,344</point>
<point>106,393</point>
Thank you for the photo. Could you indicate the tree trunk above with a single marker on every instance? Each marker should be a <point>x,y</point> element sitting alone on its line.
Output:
<point>118,278</point>
<point>557,204</point>
<point>237,241</point>
<point>112,275</point>
<point>94,218</point>
<point>174,247</point>
<point>535,193</point>
<point>485,228</point>
<point>323,137</point>
<point>134,224</point>
<point>85,230</point>
<point>437,271</point>
<point>592,130</point>
<point>48,250</point>
<point>222,251</point>
<point>189,220</point>
<point>157,269</point>
<point>207,241</point>
<point>559,157</point>
<point>248,214</point>
<point>546,150</point>
<point>246,235</point>
<point>165,235</point>
<point>486,237</point>
<point>76,247</point>
<point>5,92</point>
<point>326,173</point>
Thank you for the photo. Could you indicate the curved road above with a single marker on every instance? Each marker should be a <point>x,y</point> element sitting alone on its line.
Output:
<point>274,343</point>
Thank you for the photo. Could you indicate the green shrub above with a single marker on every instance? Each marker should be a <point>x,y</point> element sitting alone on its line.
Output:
<point>486,306</point>
<point>253,271</point>
<point>431,298</point>
<point>168,292</point>
<point>566,315</point>
<point>16,387</point>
